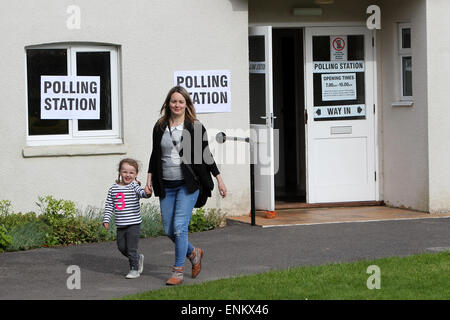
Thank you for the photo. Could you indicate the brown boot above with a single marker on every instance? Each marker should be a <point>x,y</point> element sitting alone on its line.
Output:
<point>177,276</point>
<point>196,260</point>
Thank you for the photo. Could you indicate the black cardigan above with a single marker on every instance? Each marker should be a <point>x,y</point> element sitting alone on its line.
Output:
<point>195,140</point>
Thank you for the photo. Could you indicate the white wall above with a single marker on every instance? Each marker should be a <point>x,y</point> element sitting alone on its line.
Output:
<point>281,11</point>
<point>438,57</point>
<point>156,38</point>
<point>404,129</point>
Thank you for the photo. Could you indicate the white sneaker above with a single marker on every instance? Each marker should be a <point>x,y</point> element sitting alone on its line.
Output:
<point>141,263</point>
<point>132,274</point>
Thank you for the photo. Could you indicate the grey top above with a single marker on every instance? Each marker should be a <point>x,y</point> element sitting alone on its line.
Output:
<point>171,169</point>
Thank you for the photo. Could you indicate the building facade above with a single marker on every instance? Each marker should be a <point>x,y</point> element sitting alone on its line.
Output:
<point>340,109</point>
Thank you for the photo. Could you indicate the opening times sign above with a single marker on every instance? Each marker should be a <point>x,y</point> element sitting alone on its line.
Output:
<point>70,97</point>
<point>338,86</point>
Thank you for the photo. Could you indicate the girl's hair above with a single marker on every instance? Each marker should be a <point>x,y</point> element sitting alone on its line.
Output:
<point>165,112</point>
<point>132,163</point>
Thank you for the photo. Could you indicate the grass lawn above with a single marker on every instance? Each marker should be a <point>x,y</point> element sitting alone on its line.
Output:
<point>424,276</point>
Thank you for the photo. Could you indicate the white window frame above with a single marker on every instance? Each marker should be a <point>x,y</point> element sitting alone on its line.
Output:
<point>403,53</point>
<point>75,136</point>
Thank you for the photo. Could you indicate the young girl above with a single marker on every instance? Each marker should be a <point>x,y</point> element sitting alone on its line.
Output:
<point>123,200</point>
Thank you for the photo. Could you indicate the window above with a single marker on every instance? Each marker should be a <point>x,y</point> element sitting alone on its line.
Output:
<point>77,61</point>
<point>405,54</point>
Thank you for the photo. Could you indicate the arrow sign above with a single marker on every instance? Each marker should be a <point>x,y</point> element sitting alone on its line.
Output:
<point>340,112</point>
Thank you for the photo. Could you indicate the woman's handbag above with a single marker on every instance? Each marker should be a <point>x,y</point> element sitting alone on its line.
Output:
<point>202,196</point>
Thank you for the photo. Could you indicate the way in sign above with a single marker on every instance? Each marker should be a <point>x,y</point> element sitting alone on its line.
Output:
<point>338,110</point>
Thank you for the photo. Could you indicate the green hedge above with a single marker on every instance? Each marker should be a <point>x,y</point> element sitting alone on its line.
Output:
<point>60,223</point>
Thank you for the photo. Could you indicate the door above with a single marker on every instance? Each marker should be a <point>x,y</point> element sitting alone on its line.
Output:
<point>340,108</point>
<point>261,116</point>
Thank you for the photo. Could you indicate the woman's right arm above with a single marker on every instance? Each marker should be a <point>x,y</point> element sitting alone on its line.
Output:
<point>151,165</point>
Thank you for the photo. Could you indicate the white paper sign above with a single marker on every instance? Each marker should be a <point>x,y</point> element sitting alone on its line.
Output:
<point>70,97</point>
<point>210,90</point>
<point>338,86</point>
<point>340,112</point>
<point>338,66</point>
<point>257,67</point>
<point>338,48</point>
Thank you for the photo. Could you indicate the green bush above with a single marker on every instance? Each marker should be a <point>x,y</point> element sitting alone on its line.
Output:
<point>94,218</point>
<point>5,238</point>
<point>27,236</point>
<point>13,219</point>
<point>59,215</point>
<point>198,221</point>
<point>60,223</point>
<point>203,220</point>
<point>5,207</point>
<point>151,221</point>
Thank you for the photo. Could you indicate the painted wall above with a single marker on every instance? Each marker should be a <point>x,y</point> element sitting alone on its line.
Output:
<point>404,129</point>
<point>155,38</point>
<point>438,57</point>
<point>269,12</point>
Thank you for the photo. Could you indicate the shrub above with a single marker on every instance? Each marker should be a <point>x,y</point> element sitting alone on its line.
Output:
<point>198,221</point>
<point>13,219</point>
<point>215,218</point>
<point>27,235</point>
<point>60,223</point>
<point>203,220</point>
<point>151,221</point>
<point>5,207</point>
<point>5,238</point>
<point>92,219</point>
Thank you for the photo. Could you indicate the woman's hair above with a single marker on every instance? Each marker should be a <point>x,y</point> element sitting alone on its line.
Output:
<point>132,163</point>
<point>165,112</point>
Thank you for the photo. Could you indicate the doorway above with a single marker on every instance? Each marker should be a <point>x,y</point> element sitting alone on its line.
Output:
<point>289,107</point>
<point>312,108</point>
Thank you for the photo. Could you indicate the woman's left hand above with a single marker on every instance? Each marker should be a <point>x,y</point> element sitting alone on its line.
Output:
<point>221,185</point>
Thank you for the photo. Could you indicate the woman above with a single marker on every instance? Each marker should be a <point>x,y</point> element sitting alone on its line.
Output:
<point>179,141</point>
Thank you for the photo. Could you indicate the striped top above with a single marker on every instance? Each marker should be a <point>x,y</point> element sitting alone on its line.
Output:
<point>124,202</point>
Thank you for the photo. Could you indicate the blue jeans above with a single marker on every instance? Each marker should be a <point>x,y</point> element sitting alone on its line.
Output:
<point>176,212</point>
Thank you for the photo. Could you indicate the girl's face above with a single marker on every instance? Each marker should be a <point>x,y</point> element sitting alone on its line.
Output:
<point>177,104</point>
<point>128,173</point>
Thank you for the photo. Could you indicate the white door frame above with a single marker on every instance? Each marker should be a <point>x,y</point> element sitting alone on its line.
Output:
<point>263,134</point>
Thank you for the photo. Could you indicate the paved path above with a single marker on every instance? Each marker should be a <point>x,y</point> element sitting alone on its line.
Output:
<point>233,250</point>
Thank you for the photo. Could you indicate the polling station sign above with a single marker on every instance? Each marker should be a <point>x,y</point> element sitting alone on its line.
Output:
<point>338,66</point>
<point>70,97</point>
<point>210,90</point>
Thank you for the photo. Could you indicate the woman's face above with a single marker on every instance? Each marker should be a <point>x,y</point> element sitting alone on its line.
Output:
<point>177,104</point>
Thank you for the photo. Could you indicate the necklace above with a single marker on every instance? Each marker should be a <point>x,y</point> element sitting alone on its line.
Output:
<point>174,123</point>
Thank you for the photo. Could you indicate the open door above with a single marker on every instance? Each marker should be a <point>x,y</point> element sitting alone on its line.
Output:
<point>261,116</point>
<point>339,74</point>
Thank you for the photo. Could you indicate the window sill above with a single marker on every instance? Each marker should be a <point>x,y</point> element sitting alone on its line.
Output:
<point>73,150</point>
<point>406,103</point>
